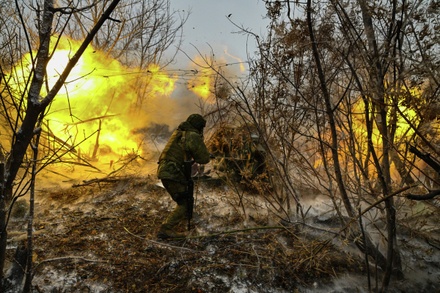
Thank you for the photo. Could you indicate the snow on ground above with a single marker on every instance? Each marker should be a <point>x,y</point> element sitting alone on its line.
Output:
<point>100,237</point>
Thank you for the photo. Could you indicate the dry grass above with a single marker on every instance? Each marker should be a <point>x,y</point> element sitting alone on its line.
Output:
<point>101,238</point>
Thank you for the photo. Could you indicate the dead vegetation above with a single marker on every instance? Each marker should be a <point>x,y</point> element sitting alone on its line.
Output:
<point>101,238</point>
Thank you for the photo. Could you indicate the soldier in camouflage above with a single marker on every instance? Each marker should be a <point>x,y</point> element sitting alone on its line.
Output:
<point>186,144</point>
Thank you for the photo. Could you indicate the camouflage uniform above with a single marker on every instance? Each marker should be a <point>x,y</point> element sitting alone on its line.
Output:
<point>186,143</point>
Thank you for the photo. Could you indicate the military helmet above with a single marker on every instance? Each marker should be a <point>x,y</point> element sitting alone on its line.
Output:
<point>197,121</point>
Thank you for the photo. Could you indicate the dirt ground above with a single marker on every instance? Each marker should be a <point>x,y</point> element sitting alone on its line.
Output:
<point>101,237</point>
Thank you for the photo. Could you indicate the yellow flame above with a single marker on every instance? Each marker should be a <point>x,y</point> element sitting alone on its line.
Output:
<point>207,78</point>
<point>161,82</point>
<point>358,125</point>
<point>203,80</point>
<point>99,101</point>
<point>201,86</point>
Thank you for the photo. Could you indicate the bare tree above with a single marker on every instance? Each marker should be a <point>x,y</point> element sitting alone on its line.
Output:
<point>35,109</point>
<point>339,96</point>
<point>136,32</point>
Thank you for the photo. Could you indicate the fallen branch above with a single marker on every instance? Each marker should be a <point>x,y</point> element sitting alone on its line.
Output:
<point>161,243</point>
<point>68,258</point>
<point>99,180</point>
<point>238,231</point>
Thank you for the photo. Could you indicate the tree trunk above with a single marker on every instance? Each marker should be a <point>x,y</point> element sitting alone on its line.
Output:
<point>3,231</point>
<point>36,106</point>
<point>355,232</point>
<point>376,74</point>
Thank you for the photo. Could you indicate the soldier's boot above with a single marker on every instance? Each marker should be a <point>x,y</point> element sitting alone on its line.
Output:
<point>175,217</point>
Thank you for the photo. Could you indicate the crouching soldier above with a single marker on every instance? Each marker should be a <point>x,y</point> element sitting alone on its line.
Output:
<point>185,147</point>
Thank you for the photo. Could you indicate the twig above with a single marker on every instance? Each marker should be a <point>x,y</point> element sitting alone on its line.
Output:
<point>427,196</point>
<point>99,180</point>
<point>161,243</point>
<point>376,204</point>
<point>238,231</point>
<point>432,244</point>
<point>354,219</point>
<point>68,258</point>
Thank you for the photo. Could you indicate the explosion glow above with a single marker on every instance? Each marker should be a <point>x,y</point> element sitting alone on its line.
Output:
<point>99,106</point>
<point>206,76</point>
<point>103,108</point>
<point>202,83</point>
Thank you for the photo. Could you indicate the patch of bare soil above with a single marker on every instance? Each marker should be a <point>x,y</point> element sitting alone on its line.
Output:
<point>101,237</point>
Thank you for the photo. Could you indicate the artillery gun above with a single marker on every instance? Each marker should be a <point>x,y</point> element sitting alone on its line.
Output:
<point>238,155</point>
